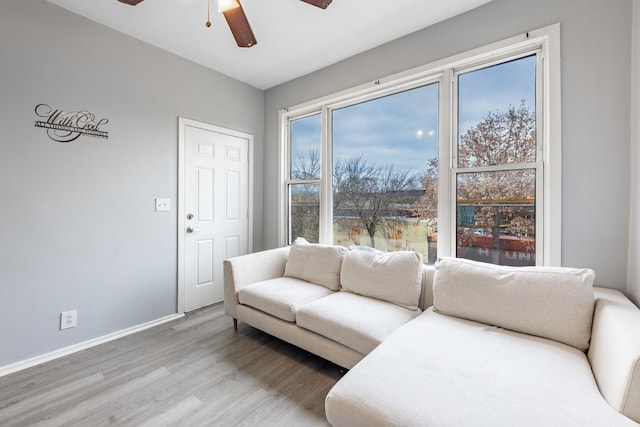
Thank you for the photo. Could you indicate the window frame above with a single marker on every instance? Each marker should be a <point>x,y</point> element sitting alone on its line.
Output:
<point>545,42</point>
<point>537,166</point>
<point>291,182</point>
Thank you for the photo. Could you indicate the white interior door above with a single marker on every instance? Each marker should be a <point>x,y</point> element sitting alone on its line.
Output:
<point>215,215</point>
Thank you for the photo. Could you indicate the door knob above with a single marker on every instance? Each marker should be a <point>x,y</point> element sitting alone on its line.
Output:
<point>192,230</point>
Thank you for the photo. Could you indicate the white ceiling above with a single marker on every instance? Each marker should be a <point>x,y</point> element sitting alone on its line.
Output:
<point>294,38</point>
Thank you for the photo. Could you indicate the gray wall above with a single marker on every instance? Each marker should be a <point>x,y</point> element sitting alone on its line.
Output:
<point>633,285</point>
<point>78,227</point>
<point>596,46</point>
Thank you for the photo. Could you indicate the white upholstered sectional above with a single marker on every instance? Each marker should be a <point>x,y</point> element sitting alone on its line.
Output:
<point>484,345</point>
<point>341,319</point>
<point>534,356</point>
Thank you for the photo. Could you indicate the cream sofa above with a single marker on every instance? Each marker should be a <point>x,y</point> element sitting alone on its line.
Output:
<point>280,295</point>
<point>485,345</point>
<point>502,347</point>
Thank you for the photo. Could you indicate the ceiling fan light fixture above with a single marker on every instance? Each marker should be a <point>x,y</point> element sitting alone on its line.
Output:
<point>227,5</point>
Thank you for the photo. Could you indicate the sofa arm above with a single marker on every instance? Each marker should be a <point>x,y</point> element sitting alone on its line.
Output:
<point>614,353</point>
<point>244,270</point>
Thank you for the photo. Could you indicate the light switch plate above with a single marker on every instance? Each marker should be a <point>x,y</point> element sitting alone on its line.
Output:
<point>163,204</point>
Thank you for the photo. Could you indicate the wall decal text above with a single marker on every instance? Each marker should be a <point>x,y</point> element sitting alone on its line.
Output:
<point>68,126</point>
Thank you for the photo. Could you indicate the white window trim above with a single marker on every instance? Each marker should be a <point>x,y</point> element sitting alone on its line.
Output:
<point>546,39</point>
<point>537,165</point>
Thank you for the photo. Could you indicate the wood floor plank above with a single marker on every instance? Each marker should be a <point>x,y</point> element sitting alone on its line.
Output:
<point>194,371</point>
<point>174,414</point>
<point>87,407</point>
<point>46,397</point>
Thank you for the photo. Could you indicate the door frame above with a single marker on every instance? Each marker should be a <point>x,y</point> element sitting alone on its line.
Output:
<point>182,122</point>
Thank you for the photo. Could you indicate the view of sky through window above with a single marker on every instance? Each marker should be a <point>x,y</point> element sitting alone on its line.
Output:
<point>494,89</point>
<point>306,138</point>
<point>399,129</point>
<point>402,129</point>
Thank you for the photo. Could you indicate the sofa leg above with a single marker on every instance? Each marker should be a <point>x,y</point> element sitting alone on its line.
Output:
<point>235,324</point>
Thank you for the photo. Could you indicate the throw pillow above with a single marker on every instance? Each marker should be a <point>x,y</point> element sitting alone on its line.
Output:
<point>395,277</point>
<point>315,263</point>
<point>549,302</point>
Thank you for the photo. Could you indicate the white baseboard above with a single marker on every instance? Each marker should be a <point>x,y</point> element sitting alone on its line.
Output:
<point>28,363</point>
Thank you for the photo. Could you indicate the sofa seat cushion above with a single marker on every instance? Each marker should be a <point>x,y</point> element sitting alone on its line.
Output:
<point>439,370</point>
<point>355,321</point>
<point>281,297</point>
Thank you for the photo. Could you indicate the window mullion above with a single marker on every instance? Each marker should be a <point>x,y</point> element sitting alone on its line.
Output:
<point>541,252</point>
<point>445,166</point>
<point>283,171</point>
<point>326,174</point>
<point>541,224</point>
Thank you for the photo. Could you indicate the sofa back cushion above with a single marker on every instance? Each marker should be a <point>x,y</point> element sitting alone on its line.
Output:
<point>315,263</point>
<point>549,302</point>
<point>395,277</point>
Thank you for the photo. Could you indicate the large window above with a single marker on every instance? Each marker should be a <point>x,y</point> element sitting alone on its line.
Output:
<point>381,150</point>
<point>303,188</point>
<point>453,159</point>
<point>496,162</point>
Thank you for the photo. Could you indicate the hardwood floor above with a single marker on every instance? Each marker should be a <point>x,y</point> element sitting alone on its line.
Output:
<point>195,371</point>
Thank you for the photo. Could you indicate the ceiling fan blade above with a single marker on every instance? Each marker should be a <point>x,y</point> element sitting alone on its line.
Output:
<point>322,4</point>
<point>130,2</point>
<point>240,27</point>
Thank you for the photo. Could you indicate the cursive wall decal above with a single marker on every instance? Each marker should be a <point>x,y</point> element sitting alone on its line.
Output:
<point>67,127</point>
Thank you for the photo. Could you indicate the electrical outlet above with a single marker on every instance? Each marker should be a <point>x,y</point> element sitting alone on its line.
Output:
<point>68,319</point>
<point>162,204</point>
